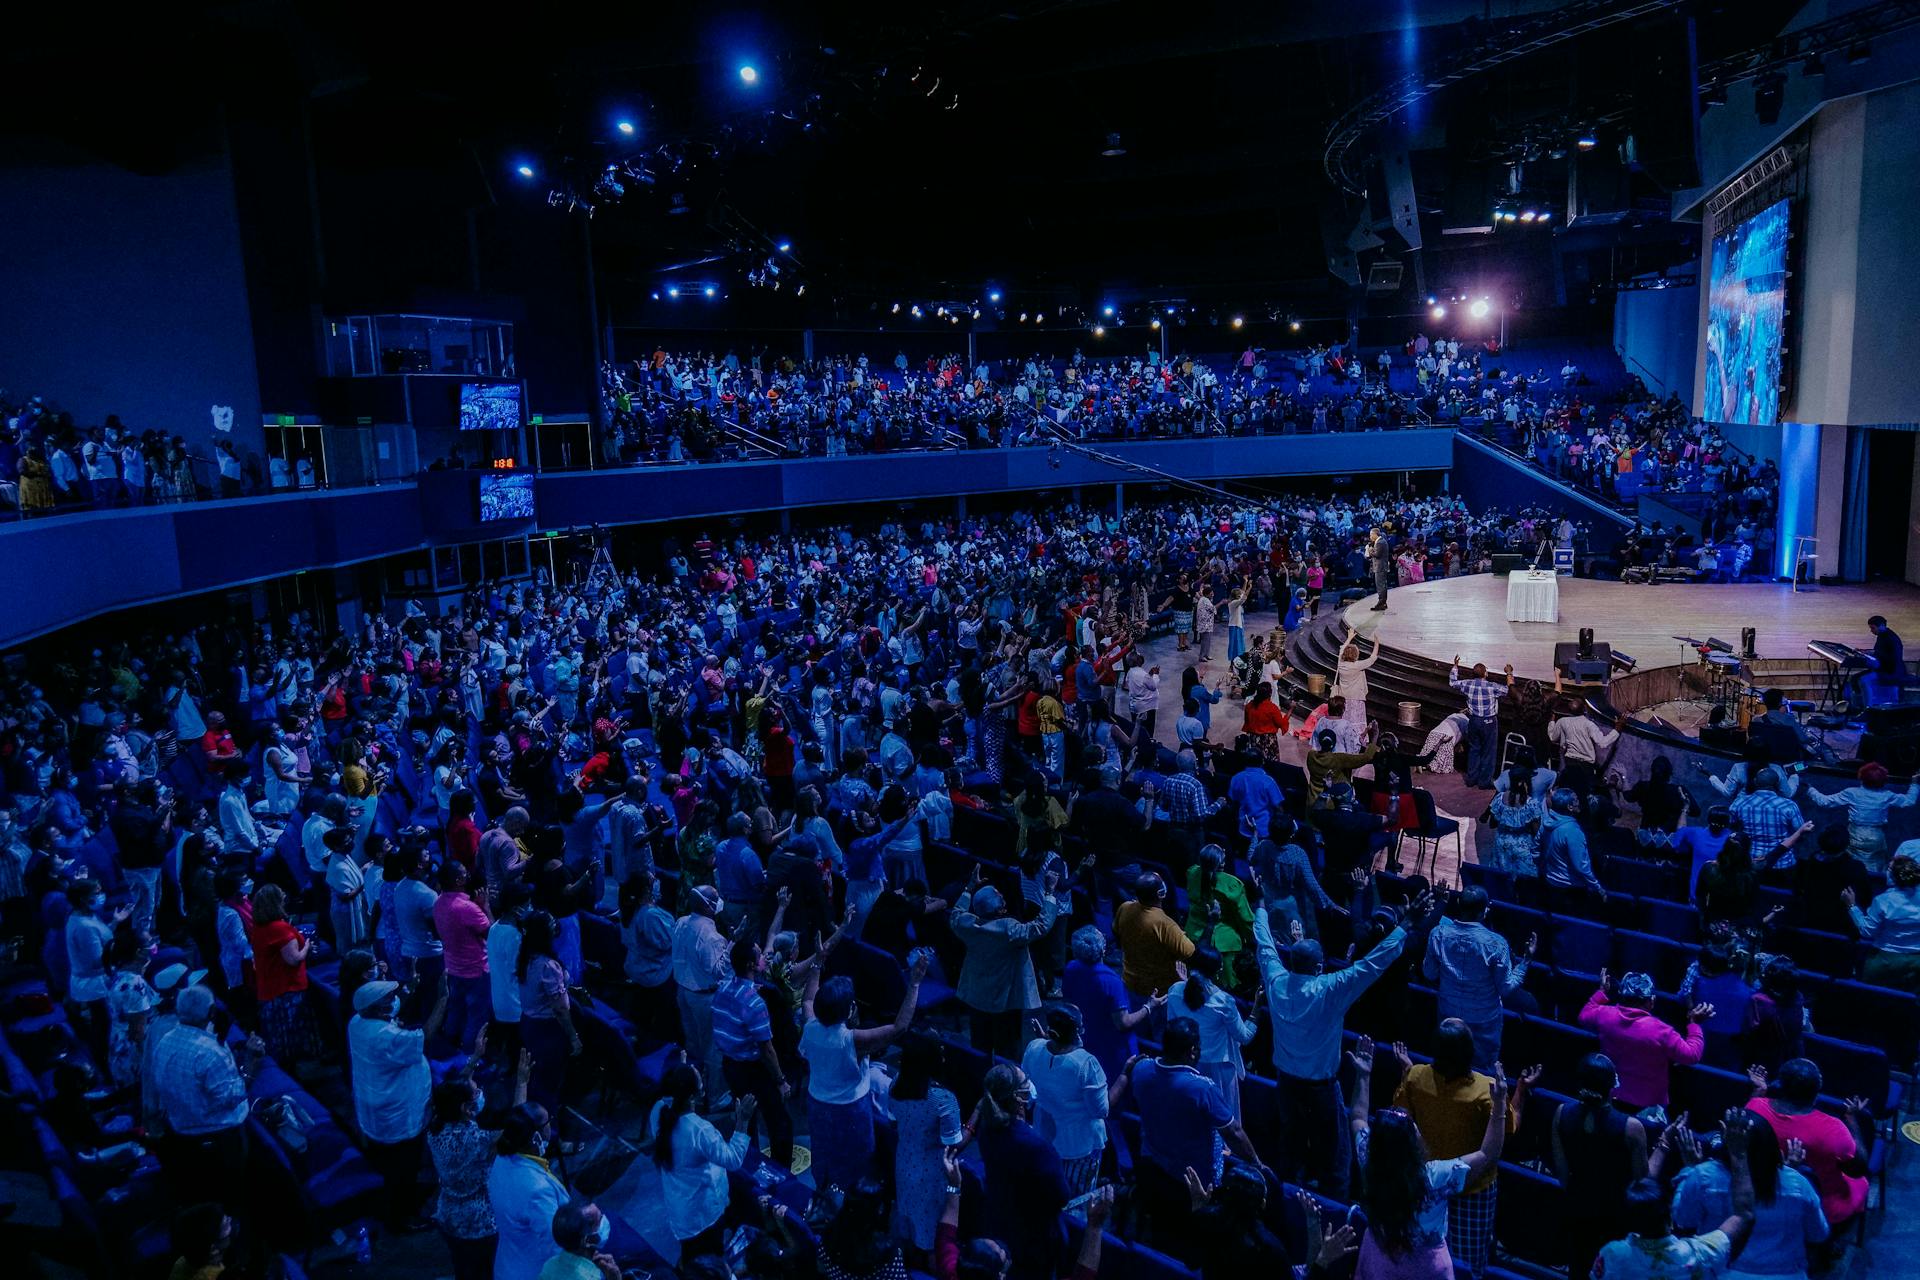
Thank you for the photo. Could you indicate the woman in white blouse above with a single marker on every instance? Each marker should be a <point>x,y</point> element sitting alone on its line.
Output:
<point>1350,677</point>
<point>1071,1095</point>
<point>694,1160</point>
<point>1214,1010</point>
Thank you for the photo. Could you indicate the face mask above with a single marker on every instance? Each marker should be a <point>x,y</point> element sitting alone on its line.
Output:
<point>246,888</point>
<point>606,1230</point>
<point>538,1144</point>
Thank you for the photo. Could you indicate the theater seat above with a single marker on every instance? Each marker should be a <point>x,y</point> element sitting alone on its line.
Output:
<point>1527,1218</point>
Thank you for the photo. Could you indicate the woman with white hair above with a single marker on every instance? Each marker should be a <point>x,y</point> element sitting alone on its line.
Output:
<point>1350,676</point>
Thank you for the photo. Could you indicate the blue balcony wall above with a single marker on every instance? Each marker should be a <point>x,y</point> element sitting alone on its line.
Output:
<point>64,569</point>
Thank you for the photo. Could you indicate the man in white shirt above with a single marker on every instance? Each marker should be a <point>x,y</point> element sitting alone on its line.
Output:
<point>391,1085</point>
<point>700,965</point>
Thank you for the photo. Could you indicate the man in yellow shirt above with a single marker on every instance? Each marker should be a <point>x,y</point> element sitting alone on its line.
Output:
<point>1151,941</point>
<point>1452,1103</point>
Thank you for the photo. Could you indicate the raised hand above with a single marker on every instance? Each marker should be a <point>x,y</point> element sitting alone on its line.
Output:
<point>1700,1013</point>
<point>1758,1074</point>
<point>1197,1190</point>
<point>1530,1076</point>
<point>1846,896</point>
<point>1497,1090</point>
<point>1796,1152</point>
<point>1296,931</point>
<point>1735,1127</point>
<point>1361,1055</point>
<point>1405,1058</point>
<point>1337,1246</point>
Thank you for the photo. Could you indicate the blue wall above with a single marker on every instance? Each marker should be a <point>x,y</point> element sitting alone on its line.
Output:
<point>1655,332</point>
<point>126,294</point>
<point>64,569</point>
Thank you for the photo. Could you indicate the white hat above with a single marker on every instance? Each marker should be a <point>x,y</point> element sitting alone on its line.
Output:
<point>369,994</point>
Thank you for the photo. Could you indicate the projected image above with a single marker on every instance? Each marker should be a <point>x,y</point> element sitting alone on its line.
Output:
<point>489,406</point>
<point>506,497</point>
<point>1746,319</point>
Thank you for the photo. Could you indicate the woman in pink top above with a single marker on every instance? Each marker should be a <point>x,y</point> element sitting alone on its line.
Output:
<point>1835,1153</point>
<point>1641,1045</point>
<point>462,925</point>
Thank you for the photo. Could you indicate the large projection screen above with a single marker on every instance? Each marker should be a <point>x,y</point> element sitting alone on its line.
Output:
<point>1746,319</point>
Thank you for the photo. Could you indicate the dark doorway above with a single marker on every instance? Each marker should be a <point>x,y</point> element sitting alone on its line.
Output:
<point>1889,503</point>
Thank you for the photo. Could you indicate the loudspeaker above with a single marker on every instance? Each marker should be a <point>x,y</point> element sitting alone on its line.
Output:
<point>1900,718</point>
<point>1340,221</point>
<point>1592,669</point>
<point>1898,752</point>
<point>1663,122</point>
<point>1504,564</point>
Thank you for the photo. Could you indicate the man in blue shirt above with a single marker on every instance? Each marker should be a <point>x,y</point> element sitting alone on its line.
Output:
<point>738,872</point>
<point>743,1036</point>
<point>1310,1006</point>
<point>1564,861</point>
<point>1185,1123</point>
<point>1474,970</point>
<point>1258,798</point>
<point>1701,845</point>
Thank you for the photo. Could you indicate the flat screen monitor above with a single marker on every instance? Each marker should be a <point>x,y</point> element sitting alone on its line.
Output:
<point>1746,319</point>
<point>506,496</point>
<point>489,406</point>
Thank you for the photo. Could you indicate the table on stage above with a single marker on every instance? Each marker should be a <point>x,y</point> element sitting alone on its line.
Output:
<point>1533,595</point>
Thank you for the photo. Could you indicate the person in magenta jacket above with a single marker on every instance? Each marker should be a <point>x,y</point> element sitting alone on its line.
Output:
<point>1642,1045</point>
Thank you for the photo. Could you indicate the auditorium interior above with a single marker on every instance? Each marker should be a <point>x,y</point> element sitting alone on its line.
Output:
<point>1057,638</point>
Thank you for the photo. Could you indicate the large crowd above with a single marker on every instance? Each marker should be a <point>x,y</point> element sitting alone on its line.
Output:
<point>683,799</point>
<point>692,406</point>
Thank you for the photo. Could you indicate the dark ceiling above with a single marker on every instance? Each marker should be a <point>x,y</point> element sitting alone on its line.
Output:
<point>934,147</point>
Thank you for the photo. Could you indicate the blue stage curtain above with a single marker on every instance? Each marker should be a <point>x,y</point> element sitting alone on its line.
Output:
<point>1853,517</point>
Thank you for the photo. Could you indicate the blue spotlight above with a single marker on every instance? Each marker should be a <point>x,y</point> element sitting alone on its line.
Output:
<point>626,127</point>
<point>1106,311</point>
<point>785,246</point>
<point>748,74</point>
<point>710,291</point>
<point>525,170</point>
<point>673,291</point>
<point>993,295</point>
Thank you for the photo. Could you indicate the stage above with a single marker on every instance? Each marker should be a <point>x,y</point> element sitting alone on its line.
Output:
<point>1468,616</point>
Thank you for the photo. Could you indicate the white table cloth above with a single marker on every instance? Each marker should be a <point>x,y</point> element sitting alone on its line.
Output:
<point>1533,595</point>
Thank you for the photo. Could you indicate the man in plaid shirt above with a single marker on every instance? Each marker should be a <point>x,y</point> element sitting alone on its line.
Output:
<point>1768,818</point>
<point>1184,797</point>
<point>1483,719</point>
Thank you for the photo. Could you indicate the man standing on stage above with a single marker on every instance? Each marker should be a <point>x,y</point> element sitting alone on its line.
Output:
<point>1380,551</point>
<point>1483,720</point>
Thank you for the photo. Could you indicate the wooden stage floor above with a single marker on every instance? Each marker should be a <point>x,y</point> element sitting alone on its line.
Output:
<point>1468,616</point>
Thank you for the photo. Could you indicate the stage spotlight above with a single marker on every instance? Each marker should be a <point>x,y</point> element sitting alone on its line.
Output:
<point>939,311</point>
<point>896,308</point>
<point>1527,215</point>
<point>1023,317</point>
<point>1154,323</point>
<point>626,127</point>
<point>656,295</point>
<point>785,246</point>
<point>1544,215</point>
<point>1099,331</point>
<point>710,291</point>
<point>1439,313</point>
<point>673,291</point>
<point>1586,142</point>
<point>749,74</point>
<point>1431,299</point>
<point>993,295</point>
<point>801,292</point>
<point>1106,311</point>
<point>525,170</point>
<point>1171,310</point>
<point>916,311</point>
<point>1480,309</point>
<point>1237,322</point>
<point>1294,325</point>
<point>976,313</point>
